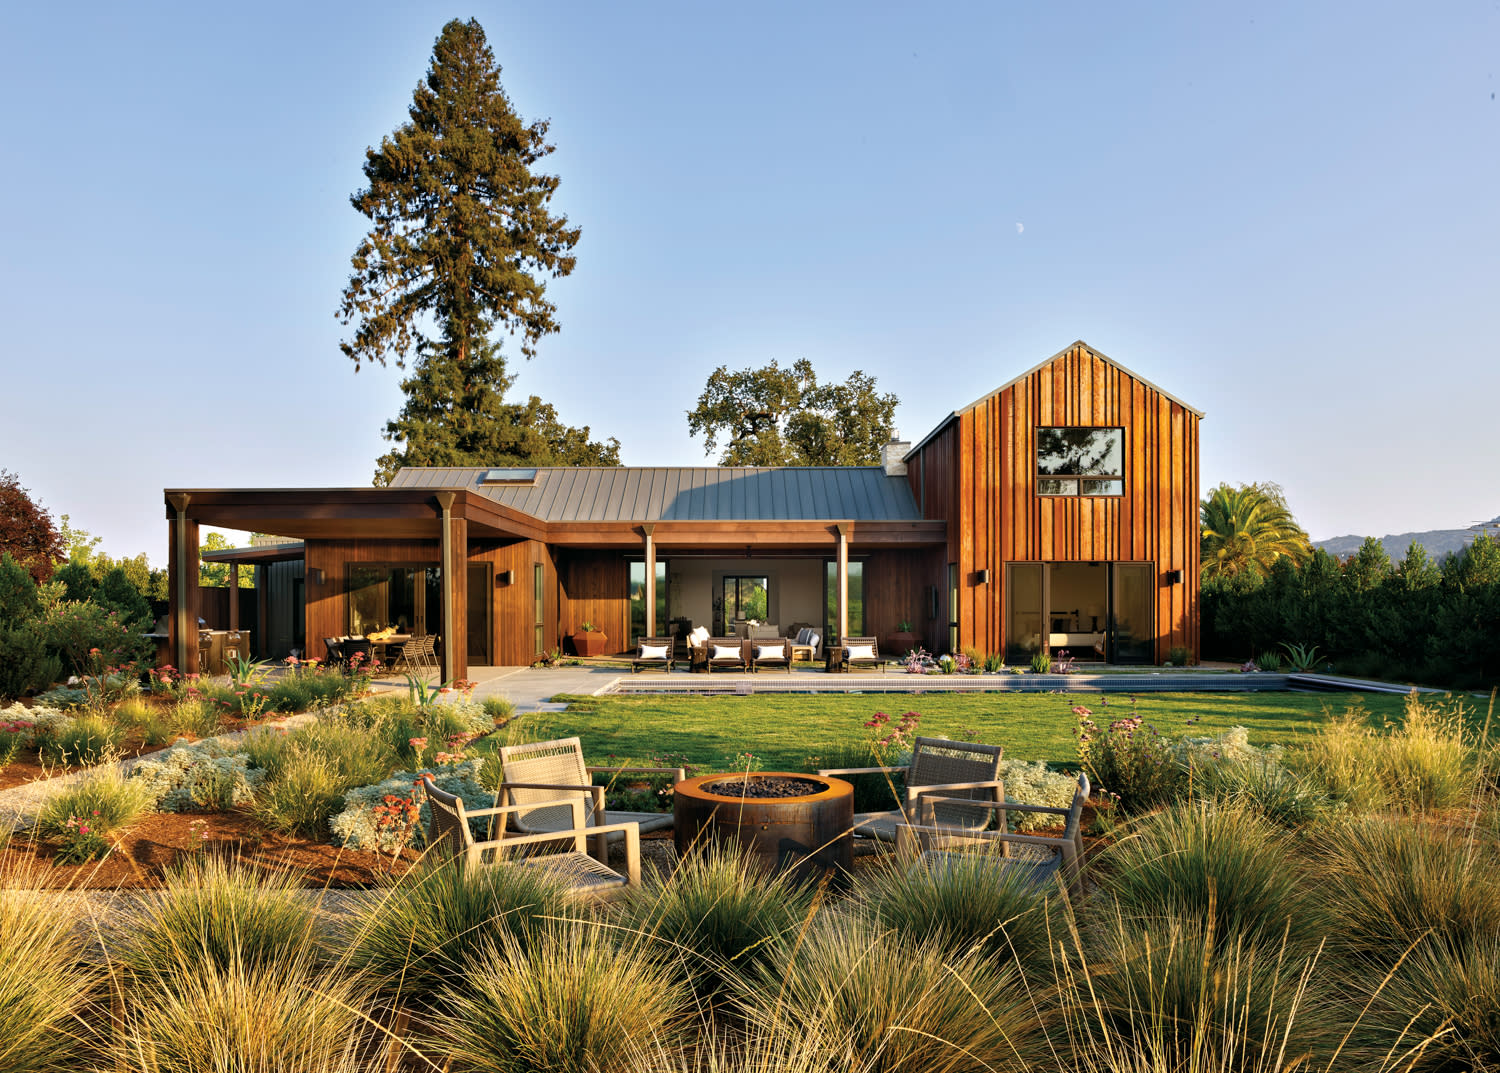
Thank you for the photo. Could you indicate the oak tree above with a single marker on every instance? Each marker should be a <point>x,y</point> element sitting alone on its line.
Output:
<point>783,417</point>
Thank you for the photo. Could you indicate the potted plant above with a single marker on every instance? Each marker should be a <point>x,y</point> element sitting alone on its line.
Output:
<point>903,640</point>
<point>589,641</point>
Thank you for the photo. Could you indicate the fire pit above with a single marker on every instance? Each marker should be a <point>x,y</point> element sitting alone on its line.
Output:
<point>786,820</point>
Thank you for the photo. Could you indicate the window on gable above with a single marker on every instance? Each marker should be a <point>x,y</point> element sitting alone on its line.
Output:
<point>1080,461</point>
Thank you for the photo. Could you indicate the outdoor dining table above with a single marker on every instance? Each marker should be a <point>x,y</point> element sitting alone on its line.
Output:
<point>381,648</point>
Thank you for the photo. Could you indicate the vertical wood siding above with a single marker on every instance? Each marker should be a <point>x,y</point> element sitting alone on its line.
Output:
<point>980,474</point>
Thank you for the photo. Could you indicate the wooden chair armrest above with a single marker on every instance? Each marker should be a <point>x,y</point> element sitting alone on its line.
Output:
<point>632,831</point>
<point>1014,806</point>
<point>939,788</point>
<point>680,773</point>
<point>859,770</point>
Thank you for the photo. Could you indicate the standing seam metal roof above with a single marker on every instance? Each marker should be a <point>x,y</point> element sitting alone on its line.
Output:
<point>687,493</point>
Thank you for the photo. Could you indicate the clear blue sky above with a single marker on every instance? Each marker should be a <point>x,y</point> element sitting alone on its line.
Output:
<point>1285,214</point>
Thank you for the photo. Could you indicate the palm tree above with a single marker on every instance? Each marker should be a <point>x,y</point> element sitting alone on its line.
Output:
<point>1246,529</point>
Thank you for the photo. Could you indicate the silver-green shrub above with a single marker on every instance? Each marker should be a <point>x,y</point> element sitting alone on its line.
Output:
<point>357,826</point>
<point>1028,782</point>
<point>201,774</point>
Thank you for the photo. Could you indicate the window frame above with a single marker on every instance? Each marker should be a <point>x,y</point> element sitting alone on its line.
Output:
<point>1078,479</point>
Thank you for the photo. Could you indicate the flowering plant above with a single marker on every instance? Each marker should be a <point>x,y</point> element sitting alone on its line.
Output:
<point>81,841</point>
<point>1129,760</point>
<point>918,661</point>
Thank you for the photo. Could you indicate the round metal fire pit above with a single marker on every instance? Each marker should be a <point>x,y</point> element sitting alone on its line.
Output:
<point>808,833</point>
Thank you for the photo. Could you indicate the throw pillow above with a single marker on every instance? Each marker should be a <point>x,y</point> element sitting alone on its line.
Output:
<point>861,652</point>
<point>653,651</point>
<point>769,651</point>
<point>726,652</point>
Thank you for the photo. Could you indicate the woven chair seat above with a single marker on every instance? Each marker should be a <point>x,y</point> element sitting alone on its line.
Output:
<point>580,870</point>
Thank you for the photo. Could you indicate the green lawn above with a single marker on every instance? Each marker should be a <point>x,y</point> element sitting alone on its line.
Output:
<point>783,731</point>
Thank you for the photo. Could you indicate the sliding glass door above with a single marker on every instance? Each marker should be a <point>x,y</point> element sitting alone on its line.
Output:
<point>1091,610</point>
<point>741,599</point>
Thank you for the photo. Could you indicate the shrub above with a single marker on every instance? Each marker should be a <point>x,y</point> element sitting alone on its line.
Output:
<point>885,1003</point>
<point>1029,782</point>
<point>1174,995</point>
<point>73,629</point>
<point>1178,656</point>
<point>46,981</point>
<point>357,758</point>
<point>302,797</point>
<point>213,912</point>
<point>25,664</point>
<point>1229,870</point>
<point>1446,996</point>
<point>872,792</point>
<point>81,742</point>
<point>426,930</point>
<point>568,1003</point>
<point>1427,762</point>
<point>1389,882</point>
<point>500,710</point>
<point>1130,760</point>
<point>971,902</point>
<point>196,716</point>
<point>106,798</point>
<point>18,599</point>
<point>1041,663</point>
<point>1268,788</point>
<point>201,775</point>
<point>287,1014</point>
<point>715,916</point>
<point>357,826</point>
<point>64,697</point>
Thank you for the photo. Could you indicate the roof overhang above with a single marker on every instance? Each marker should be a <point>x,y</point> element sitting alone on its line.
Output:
<point>259,554</point>
<point>416,514</point>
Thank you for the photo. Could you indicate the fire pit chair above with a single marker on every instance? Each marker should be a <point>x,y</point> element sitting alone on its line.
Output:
<point>542,780</point>
<point>965,774</point>
<point>654,652</point>
<point>1044,856</point>
<point>448,831</point>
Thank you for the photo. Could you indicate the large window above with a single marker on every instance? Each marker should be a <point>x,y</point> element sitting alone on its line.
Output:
<point>406,596</point>
<point>741,599</point>
<point>638,600</point>
<point>1080,461</point>
<point>831,599</point>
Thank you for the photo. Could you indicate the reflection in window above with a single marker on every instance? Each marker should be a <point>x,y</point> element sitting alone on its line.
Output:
<point>410,598</point>
<point>1080,461</point>
<point>831,599</point>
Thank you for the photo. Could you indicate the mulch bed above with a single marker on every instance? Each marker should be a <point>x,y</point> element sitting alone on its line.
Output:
<point>155,841</point>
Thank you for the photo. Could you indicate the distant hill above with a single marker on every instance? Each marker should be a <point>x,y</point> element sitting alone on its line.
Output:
<point>1438,542</point>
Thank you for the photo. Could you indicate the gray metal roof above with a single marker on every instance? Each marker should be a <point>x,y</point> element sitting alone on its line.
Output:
<point>687,493</point>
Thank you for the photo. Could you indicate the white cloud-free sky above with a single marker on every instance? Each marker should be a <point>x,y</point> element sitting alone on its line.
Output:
<point>1285,214</point>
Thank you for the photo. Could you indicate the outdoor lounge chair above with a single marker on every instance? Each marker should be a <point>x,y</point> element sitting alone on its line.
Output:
<point>726,654</point>
<point>965,774</point>
<point>542,778</point>
<point>1043,855</point>
<point>862,651</point>
<point>448,831</point>
<point>654,652</point>
<point>776,653</point>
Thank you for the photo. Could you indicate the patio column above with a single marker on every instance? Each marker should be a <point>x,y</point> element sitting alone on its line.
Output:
<point>649,529</point>
<point>843,576</point>
<point>182,594</point>
<point>455,543</point>
<point>234,596</point>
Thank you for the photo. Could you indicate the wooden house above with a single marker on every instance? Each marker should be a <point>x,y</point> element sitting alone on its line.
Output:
<point>1058,512</point>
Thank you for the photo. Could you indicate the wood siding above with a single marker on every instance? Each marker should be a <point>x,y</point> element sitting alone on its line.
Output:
<point>594,587</point>
<point>897,587</point>
<point>513,630</point>
<point>979,473</point>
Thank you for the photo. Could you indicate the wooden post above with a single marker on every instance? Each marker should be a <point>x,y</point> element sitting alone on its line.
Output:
<point>234,596</point>
<point>650,583</point>
<point>455,639</point>
<point>843,577</point>
<point>182,571</point>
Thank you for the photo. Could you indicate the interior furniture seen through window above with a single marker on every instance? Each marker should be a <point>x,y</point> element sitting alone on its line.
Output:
<point>740,599</point>
<point>408,596</point>
<point>1080,461</point>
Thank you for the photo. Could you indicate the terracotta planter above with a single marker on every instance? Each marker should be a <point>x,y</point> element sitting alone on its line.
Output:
<point>590,644</point>
<point>901,643</point>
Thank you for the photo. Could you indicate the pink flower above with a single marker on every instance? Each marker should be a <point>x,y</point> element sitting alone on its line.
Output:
<point>417,743</point>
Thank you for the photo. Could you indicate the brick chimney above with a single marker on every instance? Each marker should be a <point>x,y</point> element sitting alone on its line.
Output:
<point>893,456</point>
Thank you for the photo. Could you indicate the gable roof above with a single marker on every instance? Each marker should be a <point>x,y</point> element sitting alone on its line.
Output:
<point>686,493</point>
<point>1076,344</point>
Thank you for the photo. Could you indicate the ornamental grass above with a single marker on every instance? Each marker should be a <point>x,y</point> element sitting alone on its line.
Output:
<point>46,986</point>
